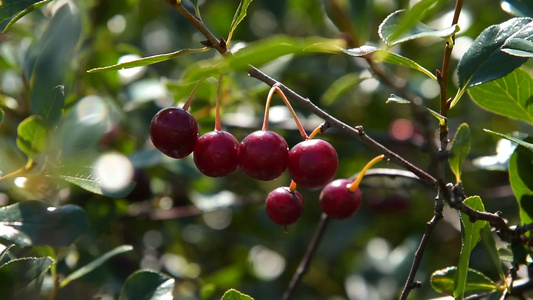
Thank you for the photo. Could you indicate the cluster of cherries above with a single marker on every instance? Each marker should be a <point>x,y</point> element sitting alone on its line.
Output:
<point>262,155</point>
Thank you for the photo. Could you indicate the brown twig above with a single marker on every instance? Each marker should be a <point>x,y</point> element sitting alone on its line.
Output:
<point>308,256</point>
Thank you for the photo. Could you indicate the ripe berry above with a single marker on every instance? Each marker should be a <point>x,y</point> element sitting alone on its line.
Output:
<point>283,206</point>
<point>337,201</point>
<point>174,132</point>
<point>263,155</point>
<point>313,163</point>
<point>217,153</point>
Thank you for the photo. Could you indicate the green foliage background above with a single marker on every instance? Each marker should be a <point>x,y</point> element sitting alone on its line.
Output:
<point>213,234</point>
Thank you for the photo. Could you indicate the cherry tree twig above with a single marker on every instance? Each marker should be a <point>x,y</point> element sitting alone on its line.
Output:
<point>444,192</point>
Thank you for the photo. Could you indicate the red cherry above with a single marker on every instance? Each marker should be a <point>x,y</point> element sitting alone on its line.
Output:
<point>283,206</point>
<point>313,163</point>
<point>217,153</point>
<point>263,155</point>
<point>337,201</point>
<point>174,132</point>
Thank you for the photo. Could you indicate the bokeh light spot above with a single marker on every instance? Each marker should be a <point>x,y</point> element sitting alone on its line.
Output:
<point>114,171</point>
<point>267,264</point>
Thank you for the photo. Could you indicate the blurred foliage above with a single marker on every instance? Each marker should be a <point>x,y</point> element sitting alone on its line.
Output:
<point>209,235</point>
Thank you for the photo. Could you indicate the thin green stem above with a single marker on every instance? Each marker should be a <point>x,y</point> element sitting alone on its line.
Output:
<point>218,124</point>
<point>191,95</point>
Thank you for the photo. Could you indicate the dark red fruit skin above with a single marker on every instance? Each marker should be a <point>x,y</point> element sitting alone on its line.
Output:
<point>313,163</point>
<point>217,153</point>
<point>283,206</point>
<point>263,155</point>
<point>337,201</point>
<point>174,132</point>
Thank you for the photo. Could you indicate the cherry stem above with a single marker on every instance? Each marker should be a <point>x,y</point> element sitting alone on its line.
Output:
<point>218,124</point>
<point>275,89</point>
<point>355,184</point>
<point>293,186</point>
<point>315,132</point>
<point>28,167</point>
<point>191,96</point>
<point>267,108</point>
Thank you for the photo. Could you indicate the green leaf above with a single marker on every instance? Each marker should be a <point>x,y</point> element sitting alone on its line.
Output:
<point>521,178</point>
<point>520,43</point>
<point>94,264</point>
<point>12,10</point>
<point>5,251</point>
<point>340,87</point>
<point>484,61</point>
<point>207,291</point>
<point>460,149</point>
<point>519,8</point>
<point>395,30</point>
<point>1,115</point>
<point>490,246</point>
<point>260,53</point>
<point>148,60</point>
<point>16,274</point>
<point>35,222</point>
<point>471,236</point>
<point>509,96</point>
<point>512,139</point>
<point>32,136</point>
<point>51,109</point>
<point>233,294</point>
<point>51,63</point>
<point>388,57</point>
<point>238,17</point>
<point>443,281</point>
<point>147,285</point>
<point>398,99</point>
<point>85,176</point>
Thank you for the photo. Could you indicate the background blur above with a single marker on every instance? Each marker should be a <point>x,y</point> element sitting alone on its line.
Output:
<point>214,234</point>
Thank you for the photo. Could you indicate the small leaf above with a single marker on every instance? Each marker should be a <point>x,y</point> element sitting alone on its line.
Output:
<point>5,251</point>
<point>490,246</point>
<point>235,295</point>
<point>484,61</point>
<point>238,17</point>
<point>260,53</point>
<point>471,236</point>
<point>147,285</point>
<point>443,281</point>
<point>50,110</point>
<point>460,149</point>
<point>520,43</point>
<point>12,10</point>
<point>148,60</point>
<point>94,264</point>
<point>520,175</point>
<point>519,8</point>
<point>388,57</point>
<point>509,96</point>
<point>85,176</point>
<point>520,142</point>
<point>1,115</point>
<point>32,136</point>
<point>393,29</point>
<point>339,87</point>
<point>48,64</point>
<point>16,274</point>
<point>398,99</point>
<point>37,223</point>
